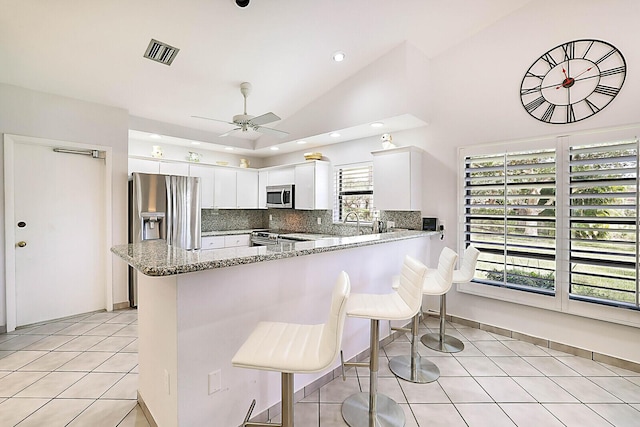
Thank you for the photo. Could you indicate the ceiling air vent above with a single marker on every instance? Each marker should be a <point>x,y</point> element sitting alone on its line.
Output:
<point>161,52</point>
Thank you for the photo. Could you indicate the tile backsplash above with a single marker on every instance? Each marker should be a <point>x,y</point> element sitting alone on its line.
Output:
<point>302,221</point>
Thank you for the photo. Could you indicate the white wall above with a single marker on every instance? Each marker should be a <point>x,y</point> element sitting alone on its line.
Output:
<point>476,89</point>
<point>37,114</point>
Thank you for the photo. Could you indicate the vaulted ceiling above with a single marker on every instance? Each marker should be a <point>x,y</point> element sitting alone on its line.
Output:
<point>93,50</point>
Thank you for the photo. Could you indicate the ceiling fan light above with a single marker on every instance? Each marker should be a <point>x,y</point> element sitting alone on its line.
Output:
<point>339,56</point>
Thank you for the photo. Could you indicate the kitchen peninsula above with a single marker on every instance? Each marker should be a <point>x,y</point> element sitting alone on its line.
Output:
<point>196,308</point>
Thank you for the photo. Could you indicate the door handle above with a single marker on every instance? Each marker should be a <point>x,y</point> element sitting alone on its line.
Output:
<point>22,244</point>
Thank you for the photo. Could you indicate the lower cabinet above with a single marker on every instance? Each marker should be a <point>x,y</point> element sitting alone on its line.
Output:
<point>229,241</point>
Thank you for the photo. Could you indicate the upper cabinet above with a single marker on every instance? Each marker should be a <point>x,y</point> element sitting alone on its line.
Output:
<point>207,180</point>
<point>239,188</point>
<point>247,189</point>
<point>397,178</point>
<point>143,165</point>
<point>281,176</point>
<point>312,185</point>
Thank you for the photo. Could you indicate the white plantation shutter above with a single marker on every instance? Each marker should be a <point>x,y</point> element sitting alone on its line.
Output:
<point>603,210</point>
<point>510,217</point>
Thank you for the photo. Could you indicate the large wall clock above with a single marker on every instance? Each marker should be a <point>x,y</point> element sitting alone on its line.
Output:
<point>573,81</point>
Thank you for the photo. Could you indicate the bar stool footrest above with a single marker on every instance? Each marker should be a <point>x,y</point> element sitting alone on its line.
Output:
<point>449,345</point>
<point>355,411</point>
<point>425,370</point>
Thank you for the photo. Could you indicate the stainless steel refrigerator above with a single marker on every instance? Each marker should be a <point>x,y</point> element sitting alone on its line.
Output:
<point>163,207</point>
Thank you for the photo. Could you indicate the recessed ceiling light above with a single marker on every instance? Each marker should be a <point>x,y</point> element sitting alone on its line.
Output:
<point>334,134</point>
<point>154,136</point>
<point>274,148</point>
<point>195,142</point>
<point>302,142</point>
<point>377,124</point>
<point>228,148</point>
<point>338,56</point>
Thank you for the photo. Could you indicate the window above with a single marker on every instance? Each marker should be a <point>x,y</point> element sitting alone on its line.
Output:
<point>510,218</point>
<point>353,191</point>
<point>556,222</point>
<point>603,183</point>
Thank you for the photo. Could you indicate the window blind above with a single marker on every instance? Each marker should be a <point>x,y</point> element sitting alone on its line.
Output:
<point>603,186</point>
<point>510,214</point>
<point>354,191</point>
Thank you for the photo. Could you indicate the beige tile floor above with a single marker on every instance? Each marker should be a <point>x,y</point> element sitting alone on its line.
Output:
<point>82,371</point>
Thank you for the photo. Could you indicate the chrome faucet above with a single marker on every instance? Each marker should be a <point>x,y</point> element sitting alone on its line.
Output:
<point>357,221</point>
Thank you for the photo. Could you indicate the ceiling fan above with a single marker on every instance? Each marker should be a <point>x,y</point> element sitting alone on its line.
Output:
<point>244,121</point>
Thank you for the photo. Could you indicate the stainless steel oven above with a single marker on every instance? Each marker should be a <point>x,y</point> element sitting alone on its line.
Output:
<point>281,196</point>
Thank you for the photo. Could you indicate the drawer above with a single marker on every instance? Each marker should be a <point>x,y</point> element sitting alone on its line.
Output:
<point>236,240</point>
<point>213,242</point>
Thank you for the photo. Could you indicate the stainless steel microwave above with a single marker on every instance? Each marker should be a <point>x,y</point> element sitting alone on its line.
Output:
<point>281,196</point>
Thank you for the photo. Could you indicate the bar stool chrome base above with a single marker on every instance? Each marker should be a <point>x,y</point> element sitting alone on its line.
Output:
<point>355,411</point>
<point>448,345</point>
<point>440,341</point>
<point>419,370</point>
<point>412,367</point>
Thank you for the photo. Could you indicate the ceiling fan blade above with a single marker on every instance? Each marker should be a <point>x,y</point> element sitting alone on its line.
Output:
<point>264,119</point>
<point>270,131</point>
<point>222,135</point>
<point>215,120</point>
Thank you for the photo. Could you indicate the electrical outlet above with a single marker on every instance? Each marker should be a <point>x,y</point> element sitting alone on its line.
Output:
<point>319,221</point>
<point>270,217</point>
<point>215,381</point>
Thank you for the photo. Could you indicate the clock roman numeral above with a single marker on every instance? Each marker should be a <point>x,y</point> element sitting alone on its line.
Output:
<point>571,115</point>
<point>593,107</point>
<point>606,55</point>
<point>569,50</point>
<point>607,90</point>
<point>613,71</point>
<point>530,90</point>
<point>530,74</point>
<point>549,60</point>
<point>546,117</point>
<point>534,104</point>
<point>588,48</point>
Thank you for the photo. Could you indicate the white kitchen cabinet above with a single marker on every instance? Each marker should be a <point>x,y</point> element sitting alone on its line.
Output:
<point>213,242</point>
<point>225,188</point>
<point>236,240</point>
<point>174,168</point>
<point>247,189</point>
<point>143,165</point>
<point>312,185</point>
<point>207,183</point>
<point>397,179</point>
<point>263,179</point>
<point>281,176</point>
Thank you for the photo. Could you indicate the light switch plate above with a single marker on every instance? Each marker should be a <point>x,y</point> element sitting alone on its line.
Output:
<point>319,221</point>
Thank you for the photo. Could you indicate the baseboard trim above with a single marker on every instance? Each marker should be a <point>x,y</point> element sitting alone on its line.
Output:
<point>121,305</point>
<point>542,342</point>
<point>145,411</point>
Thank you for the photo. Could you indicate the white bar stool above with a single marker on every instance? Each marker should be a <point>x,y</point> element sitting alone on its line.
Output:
<point>440,341</point>
<point>413,367</point>
<point>373,409</point>
<point>292,348</point>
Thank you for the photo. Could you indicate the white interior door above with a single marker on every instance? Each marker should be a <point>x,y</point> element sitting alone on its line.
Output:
<point>59,216</point>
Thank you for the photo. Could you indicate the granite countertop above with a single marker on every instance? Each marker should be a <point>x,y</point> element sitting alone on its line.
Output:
<point>230,232</point>
<point>156,258</point>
